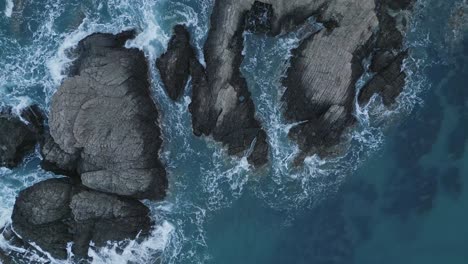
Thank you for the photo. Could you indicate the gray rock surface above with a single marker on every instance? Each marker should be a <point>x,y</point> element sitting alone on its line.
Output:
<point>320,82</point>
<point>221,103</point>
<point>104,123</point>
<point>388,55</point>
<point>54,212</point>
<point>19,134</point>
<point>174,64</point>
<point>388,82</point>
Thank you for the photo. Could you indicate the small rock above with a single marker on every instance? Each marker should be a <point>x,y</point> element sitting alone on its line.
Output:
<point>174,64</point>
<point>20,134</point>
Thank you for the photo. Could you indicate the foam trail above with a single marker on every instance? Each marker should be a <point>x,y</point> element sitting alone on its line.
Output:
<point>9,8</point>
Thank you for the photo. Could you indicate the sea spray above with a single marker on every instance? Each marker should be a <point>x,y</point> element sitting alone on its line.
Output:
<point>203,179</point>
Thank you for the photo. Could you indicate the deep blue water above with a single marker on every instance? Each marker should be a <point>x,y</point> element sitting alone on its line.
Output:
<point>397,196</point>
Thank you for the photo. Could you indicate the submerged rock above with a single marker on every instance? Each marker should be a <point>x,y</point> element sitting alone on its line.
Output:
<point>104,123</point>
<point>55,212</point>
<point>174,64</point>
<point>19,134</point>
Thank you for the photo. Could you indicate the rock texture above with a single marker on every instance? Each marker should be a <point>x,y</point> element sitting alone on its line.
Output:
<point>221,103</point>
<point>19,134</point>
<point>221,106</point>
<point>388,54</point>
<point>104,123</point>
<point>55,212</point>
<point>320,84</point>
<point>174,64</point>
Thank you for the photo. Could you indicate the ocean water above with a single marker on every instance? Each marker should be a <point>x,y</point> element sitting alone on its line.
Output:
<point>397,195</point>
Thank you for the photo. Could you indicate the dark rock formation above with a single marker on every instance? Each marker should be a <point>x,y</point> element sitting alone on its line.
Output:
<point>174,64</point>
<point>20,134</point>
<point>55,212</point>
<point>388,82</point>
<point>388,56</point>
<point>221,103</point>
<point>320,84</point>
<point>104,123</point>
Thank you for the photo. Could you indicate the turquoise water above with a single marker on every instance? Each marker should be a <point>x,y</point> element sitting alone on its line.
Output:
<point>396,196</point>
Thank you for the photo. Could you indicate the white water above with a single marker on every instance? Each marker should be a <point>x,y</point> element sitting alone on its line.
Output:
<point>9,8</point>
<point>179,236</point>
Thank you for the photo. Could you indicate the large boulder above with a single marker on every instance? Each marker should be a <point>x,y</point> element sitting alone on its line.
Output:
<point>174,64</point>
<point>55,212</point>
<point>320,84</point>
<point>104,123</point>
<point>19,134</point>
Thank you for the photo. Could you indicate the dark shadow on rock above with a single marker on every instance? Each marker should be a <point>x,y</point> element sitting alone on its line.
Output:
<point>55,212</point>
<point>174,64</point>
<point>19,134</point>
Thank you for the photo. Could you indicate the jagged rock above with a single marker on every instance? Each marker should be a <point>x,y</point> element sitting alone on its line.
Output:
<point>320,84</point>
<point>388,83</point>
<point>174,64</point>
<point>221,103</point>
<point>387,61</point>
<point>104,123</point>
<point>54,212</point>
<point>20,134</point>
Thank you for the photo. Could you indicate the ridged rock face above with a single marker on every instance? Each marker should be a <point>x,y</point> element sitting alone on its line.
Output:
<point>388,55</point>
<point>321,82</point>
<point>174,64</point>
<point>104,124</point>
<point>54,212</point>
<point>19,134</point>
<point>221,102</point>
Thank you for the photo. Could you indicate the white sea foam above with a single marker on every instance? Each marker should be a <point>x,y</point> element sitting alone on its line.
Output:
<point>9,8</point>
<point>180,235</point>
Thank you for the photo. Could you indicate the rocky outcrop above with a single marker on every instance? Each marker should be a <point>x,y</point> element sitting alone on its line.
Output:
<point>20,134</point>
<point>221,103</point>
<point>104,123</point>
<point>320,84</point>
<point>388,55</point>
<point>389,80</point>
<point>174,64</point>
<point>104,134</point>
<point>55,212</point>
<point>221,106</point>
